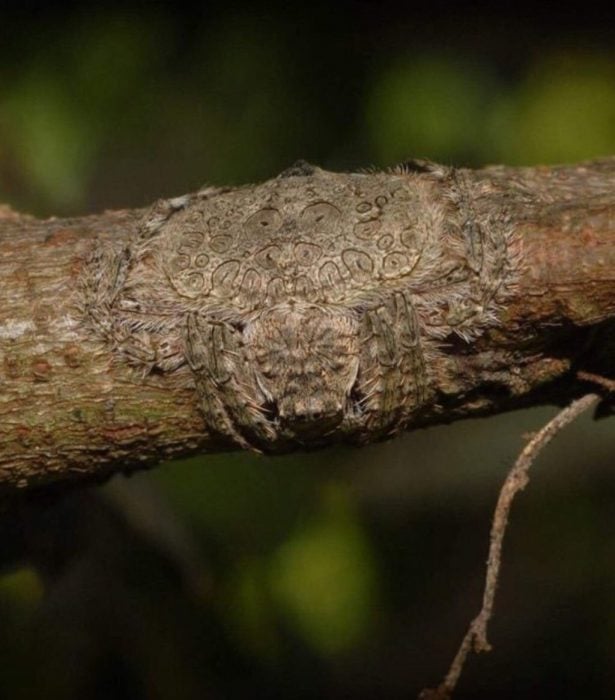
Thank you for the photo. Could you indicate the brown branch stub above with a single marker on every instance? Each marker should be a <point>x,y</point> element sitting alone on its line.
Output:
<point>599,381</point>
<point>517,479</point>
<point>314,308</point>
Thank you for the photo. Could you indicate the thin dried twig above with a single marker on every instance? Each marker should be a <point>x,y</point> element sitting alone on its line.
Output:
<point>598,380</point>
<point>517,479</point>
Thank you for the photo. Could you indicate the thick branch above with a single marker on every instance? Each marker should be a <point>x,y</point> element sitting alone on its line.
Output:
<point>98,367</point>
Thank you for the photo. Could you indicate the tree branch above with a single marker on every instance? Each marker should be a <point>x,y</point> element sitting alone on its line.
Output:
<point>312,309</point>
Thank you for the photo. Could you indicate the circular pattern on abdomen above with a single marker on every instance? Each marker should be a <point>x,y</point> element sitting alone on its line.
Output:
<point>396,264</point>
<point>307,254</point>
<point>264,220</point>
<point>358,263</point>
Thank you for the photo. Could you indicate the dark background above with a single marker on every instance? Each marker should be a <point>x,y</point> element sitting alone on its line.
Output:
<point>345,573</point>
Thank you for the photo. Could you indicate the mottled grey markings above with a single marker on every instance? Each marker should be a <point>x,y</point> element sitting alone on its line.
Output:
<point>359,264</point>
<point>275,290</point>
<point>251,283</point>
<point>269,258</point>
<point>395,264</point>
<point>330,276</point>
<point>264,220</point>
<point>191,241</point>
<point>307,254</point>
<point>224,276</point>
<point>367,230</point>
<point>180,262</point>
<point>304,288</point>
<point>410,238</point>
<point>194,283</point>
<point>307,302</point>
<point>385,242</point>
<point>320,213</point>
<point>300,168</point>
<point>220,244</point>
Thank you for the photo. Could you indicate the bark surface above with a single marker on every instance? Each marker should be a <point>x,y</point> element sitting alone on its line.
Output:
<point>312,309</point>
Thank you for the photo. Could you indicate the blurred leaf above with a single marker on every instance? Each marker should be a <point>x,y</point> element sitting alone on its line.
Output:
<point>564,111</point>
<point>248,608</point>
<point>50,137</point>
<point>426,106</point>
<point>71,94</point>
<point>324,578</point>
<point>245,502</point>
<point>113,57</point>
<point>243,101</point>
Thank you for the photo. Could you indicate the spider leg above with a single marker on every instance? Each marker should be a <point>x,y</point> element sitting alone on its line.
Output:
<point>392,379</point>
<point>231,399</point>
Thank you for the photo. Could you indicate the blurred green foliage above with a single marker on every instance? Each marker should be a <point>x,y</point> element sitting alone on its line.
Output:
<point>112,108</point>
<point>129,92</point>
<point>561,110</point>
<point>324,577</point>
<point>435,105</point>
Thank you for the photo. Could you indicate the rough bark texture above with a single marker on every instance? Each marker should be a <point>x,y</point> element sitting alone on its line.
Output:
<point>314,308</point>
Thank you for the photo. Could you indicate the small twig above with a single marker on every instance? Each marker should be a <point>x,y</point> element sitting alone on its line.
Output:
<point>517,479</point>
<point>598,380</point>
